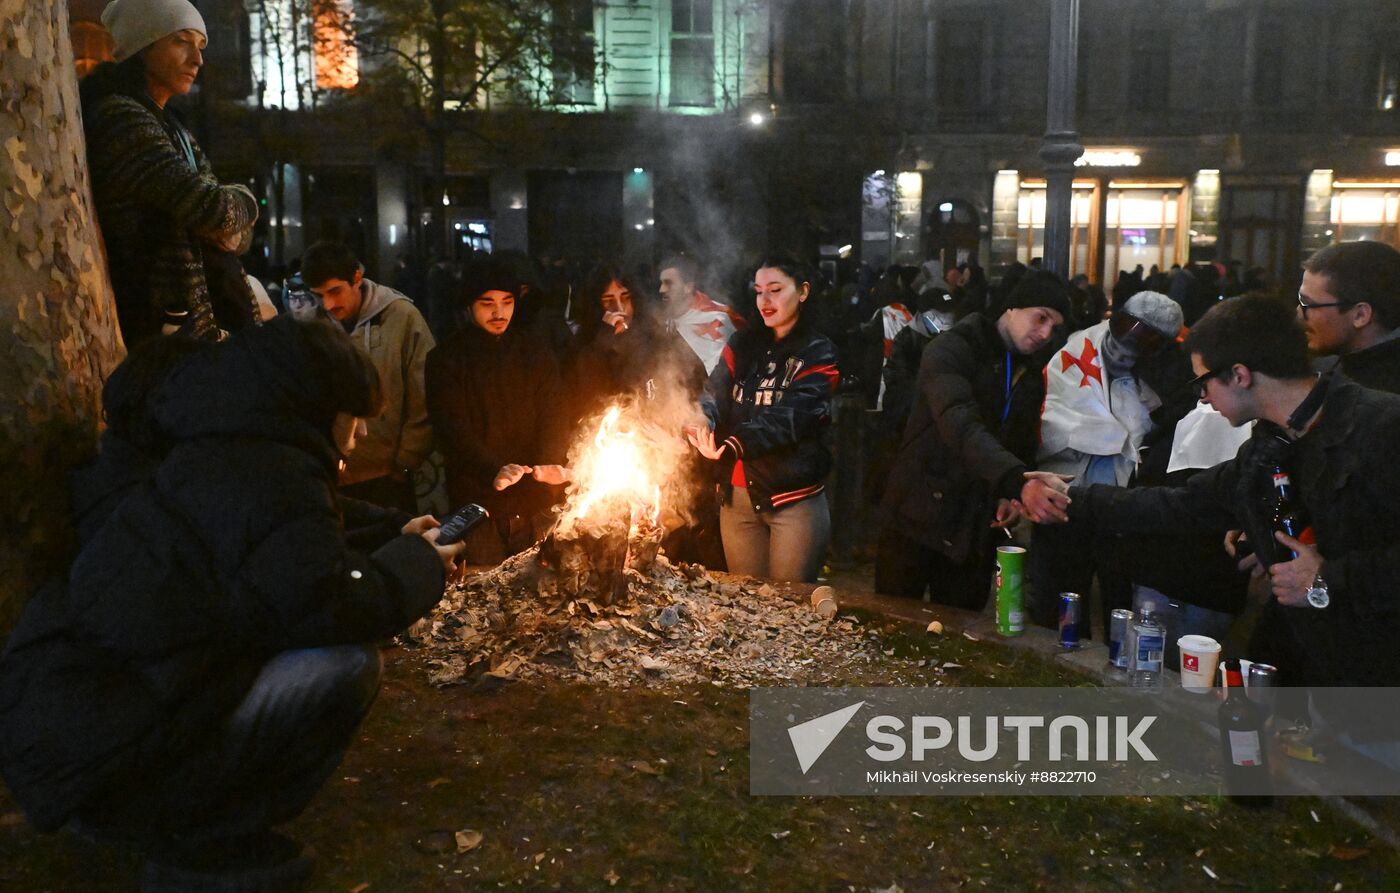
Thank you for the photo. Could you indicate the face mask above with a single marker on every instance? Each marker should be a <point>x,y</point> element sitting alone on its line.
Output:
<point>933,321</point>
<point>1118,356</point>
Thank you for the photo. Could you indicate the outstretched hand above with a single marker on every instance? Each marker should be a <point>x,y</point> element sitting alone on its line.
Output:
<point>552,474</point>
<point>509,475</point>
<point>703,439</point>
<point>1045,497</point>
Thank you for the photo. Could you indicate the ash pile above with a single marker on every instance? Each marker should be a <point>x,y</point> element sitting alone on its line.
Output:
<point>652,623</point>
<point>597,600</point>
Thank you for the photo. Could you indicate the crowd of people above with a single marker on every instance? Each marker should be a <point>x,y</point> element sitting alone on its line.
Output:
<point>250,528</point>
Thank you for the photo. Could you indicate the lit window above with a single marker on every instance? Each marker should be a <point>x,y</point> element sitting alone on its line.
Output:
<point>1143,227</point>
<point>692,53</point>
<point>572,54</point>
<point>337,61</point>
<point>1366,211</point>
<point>1030,225</point>
<point>92,46</point>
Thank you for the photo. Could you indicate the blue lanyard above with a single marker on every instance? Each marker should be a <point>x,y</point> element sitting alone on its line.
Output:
<point>1006,397</point>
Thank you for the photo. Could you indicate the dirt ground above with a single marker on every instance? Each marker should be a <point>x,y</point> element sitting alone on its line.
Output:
<point>574,787</point>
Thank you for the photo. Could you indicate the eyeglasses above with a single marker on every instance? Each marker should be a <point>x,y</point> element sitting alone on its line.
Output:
<point>1198,384</point>
<point>1305,306</point>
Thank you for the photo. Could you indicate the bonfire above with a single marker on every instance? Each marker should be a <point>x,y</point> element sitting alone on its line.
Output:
<point>598,599</point>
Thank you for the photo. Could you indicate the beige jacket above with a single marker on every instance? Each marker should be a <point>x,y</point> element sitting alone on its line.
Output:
<point>396,337</point>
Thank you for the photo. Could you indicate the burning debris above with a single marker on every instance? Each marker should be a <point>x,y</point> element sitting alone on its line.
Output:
<point>674,623</point>
<point>599,600</point>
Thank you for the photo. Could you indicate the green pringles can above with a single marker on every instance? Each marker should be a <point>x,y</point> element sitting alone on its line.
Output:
<point>1011,598</point>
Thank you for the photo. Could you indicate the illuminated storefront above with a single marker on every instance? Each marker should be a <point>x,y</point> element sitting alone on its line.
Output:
<point>1117,224</point>
<point>1366,209</point>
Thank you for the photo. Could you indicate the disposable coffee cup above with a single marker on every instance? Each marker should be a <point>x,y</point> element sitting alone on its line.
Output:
<point>1199,657</point>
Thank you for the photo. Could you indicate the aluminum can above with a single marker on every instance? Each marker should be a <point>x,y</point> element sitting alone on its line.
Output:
<point>1011,565</point>
<point>1261,687</point>
<point>1071,610</point>
<point>1117,637</point>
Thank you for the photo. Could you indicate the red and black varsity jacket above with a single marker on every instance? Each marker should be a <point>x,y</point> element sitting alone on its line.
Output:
<point>769,403</point>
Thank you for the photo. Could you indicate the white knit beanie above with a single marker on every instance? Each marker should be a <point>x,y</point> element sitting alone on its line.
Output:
<point>136,24</point>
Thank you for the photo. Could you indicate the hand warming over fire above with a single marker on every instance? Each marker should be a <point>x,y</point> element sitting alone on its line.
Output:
<point>552,474</point>
<point>703,439</point>
<point>510,475</point>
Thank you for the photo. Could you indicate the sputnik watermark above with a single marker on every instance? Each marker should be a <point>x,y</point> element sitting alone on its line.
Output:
<point>981,741</point>
<point>1065,737</point>
<point>1125,734</point>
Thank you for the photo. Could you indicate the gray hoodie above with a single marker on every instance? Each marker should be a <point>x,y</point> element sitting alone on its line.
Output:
<point>396,337</point>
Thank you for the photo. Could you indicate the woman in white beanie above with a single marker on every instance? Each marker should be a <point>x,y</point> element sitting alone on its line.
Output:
<point>164,217</point>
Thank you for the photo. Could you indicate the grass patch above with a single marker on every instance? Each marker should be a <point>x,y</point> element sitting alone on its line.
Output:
<point>573,787</point>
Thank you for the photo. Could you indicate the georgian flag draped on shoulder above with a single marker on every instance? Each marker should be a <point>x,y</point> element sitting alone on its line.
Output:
<point>893,318</point>
<point>1077,423</point>
<point>706,326</point>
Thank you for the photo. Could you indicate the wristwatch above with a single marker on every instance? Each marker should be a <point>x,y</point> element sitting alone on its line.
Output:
<point>1318,596</point>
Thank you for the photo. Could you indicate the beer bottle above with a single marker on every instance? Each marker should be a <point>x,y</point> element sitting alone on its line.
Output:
<point>1243,743</point>
<point>1287,514</point>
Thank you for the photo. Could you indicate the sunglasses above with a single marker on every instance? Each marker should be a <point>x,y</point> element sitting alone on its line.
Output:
<point>1130,328</point>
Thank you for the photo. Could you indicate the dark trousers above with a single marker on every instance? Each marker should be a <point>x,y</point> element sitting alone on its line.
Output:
<point>385,491</point>
<point>271,756</point>
<point>1065,558</point>
<point>909,568</point>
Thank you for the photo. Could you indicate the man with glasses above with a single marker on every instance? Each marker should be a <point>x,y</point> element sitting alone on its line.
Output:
<point>1350,307</point>
<point>1097,412</point>
<point>1334,585</point>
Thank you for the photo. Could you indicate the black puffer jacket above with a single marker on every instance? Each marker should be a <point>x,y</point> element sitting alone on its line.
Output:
<point>230,551</point>
<point>971,435</point>
<point>769,403</point>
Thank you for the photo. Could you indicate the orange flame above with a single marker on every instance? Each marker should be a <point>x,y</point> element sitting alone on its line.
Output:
<point>614,471</point>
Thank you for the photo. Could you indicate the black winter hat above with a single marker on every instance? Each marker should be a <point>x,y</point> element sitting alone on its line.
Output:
<point>1041,288</point>
<point>489,274</point>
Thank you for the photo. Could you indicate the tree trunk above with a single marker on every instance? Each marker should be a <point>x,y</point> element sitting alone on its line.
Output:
<point>58,325</point>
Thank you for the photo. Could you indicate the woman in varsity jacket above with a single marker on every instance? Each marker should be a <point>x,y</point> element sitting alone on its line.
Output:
<point>768,403</point>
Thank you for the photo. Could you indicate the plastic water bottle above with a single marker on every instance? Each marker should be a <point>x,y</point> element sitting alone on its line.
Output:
<point>1149,643</point>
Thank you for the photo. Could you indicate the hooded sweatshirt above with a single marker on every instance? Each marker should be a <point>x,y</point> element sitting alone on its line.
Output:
<point>396,337</point>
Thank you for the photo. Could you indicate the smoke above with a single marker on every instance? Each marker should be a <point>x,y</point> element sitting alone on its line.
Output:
<point>648,430</point>
<point>714,209</point>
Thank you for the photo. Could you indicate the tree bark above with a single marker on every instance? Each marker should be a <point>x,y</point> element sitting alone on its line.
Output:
<point>58,325</point>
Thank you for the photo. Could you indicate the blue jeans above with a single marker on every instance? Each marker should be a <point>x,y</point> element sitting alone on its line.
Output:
<point>787,545</point>
<point>268,760</point>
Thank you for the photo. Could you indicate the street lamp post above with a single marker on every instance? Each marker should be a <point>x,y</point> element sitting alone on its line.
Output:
<point>1060,146</point>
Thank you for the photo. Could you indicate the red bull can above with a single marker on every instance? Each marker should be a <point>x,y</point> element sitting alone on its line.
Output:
<point>1071,612</point>
<point>1117,637</point>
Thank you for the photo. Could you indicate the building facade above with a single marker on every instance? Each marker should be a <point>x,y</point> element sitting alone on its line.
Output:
<point>884,130</point>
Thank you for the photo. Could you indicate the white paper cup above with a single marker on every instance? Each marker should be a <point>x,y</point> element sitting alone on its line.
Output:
<point>1199,657</point>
